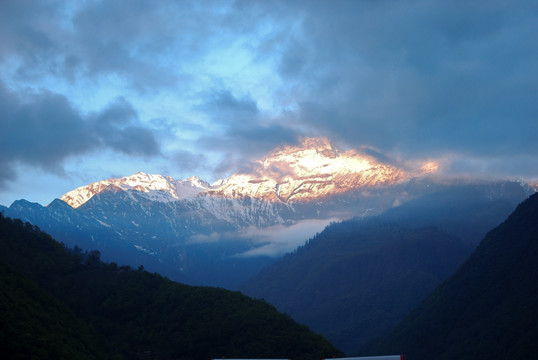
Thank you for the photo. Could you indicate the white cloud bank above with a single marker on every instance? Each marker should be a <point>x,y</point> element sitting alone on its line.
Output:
<point>272,241</point>
<point>279,239</point>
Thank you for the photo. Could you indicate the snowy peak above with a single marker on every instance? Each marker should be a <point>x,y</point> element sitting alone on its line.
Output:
<point>320,145</point>
<point>190,188</point>
<point>305,172</point>
<point>154,187</point>
<point>194,181</point>
<point>311,170</point>
<point>313,157</point>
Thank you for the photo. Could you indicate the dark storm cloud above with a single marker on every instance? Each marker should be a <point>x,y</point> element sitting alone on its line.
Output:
<point>419,77</point>
<point>126,38</point>
<point>31,35</point>
<point>118,128</point>
<point>22,28</point>
<point>43,129</point>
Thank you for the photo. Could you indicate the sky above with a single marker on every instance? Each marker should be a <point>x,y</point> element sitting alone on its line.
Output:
<point>91,90</point>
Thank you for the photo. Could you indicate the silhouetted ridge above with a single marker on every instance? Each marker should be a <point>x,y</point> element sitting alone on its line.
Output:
<point>136,314</point>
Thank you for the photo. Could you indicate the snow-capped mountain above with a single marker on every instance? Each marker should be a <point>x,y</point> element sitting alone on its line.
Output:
<point>153,187</point>
<point>312,170</point>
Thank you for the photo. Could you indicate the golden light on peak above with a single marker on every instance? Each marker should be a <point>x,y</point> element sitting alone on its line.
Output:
<point>430,167</point>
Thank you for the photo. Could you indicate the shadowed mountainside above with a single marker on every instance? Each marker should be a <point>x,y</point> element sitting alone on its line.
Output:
<point>488,308</point>
<point>357,279</point>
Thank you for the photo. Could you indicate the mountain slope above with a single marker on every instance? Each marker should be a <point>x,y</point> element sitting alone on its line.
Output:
<point>305,284</point>
<point>488,308</point>
<point>467,210</point>
<point>143,315</point>
<point>201,240</point>
<point>357,279</point>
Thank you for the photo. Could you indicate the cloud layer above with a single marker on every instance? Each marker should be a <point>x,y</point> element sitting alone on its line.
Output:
<point>43,129</point>
<point>230,80</point>
<point>272,241</point>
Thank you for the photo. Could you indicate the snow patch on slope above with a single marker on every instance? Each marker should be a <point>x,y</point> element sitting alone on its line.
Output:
<point>153,187</point>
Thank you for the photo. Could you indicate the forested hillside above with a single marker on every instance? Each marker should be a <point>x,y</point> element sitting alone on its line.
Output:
<point>111,311</point>
<point>488,309</point>
<point>357,279</point>
<point>35,325</point>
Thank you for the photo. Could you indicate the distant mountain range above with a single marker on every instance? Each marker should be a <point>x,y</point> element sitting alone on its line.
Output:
<point>355,277</point>
<point>221,234</point>
<point>315,169</point>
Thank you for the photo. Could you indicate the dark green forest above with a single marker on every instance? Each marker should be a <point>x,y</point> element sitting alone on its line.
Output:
<point>35,325</point>
<point>488,309</point>
<point>58,303</point>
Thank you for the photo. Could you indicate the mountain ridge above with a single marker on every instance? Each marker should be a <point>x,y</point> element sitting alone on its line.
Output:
<point>487,308</point>
<point>59,303</point>
<point>156,187</point>
<point>444,225</point>
<point>307,172</point>
<point>191,232</point>
<point>358,278</point>
<point>218,241</point>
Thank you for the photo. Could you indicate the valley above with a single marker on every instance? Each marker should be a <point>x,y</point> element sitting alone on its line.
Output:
<point>329,238</point>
